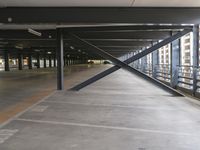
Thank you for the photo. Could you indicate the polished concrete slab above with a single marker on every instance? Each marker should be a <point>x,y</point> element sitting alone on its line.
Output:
<point>118,112</point>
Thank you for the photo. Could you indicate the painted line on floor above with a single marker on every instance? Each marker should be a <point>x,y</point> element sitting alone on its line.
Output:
<point>106,127</point>
<point>19,109</point>
<point>105,105</point>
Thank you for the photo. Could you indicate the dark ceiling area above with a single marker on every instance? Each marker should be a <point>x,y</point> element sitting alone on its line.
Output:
<point>117,40</point>
<point>117,31</point>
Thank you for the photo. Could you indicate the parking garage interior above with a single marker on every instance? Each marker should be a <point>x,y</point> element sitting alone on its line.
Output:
<point>99,75</point>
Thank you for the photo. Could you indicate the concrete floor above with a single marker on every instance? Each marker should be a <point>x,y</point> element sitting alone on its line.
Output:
<point>21,89</point>
<point>118,112</point>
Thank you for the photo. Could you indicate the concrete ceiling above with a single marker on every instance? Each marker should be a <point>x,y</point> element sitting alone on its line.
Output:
<point>103,3</point>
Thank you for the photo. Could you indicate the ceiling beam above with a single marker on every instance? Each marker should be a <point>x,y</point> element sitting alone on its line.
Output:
<point>88,15</point>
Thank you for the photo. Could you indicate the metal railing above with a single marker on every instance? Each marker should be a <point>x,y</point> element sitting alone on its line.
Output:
<point>185,76</point>
<point>188,77</point>
<point>163,72</point>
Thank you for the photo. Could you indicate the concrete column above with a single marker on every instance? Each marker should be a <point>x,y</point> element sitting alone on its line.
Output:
<point>60,63</point>
<point>6,61</point>
<point>20,61</point>
<point>175,62</point>
<point>45,60</point>
<point>50,63</point>
<point>195,56</point>
<point>38,60</point>
<point>137,61</point>
<point>30,61</point>
<point>155,61</point>
<point>143,63</point>
<point>64,61</point>
<point>54,60</point>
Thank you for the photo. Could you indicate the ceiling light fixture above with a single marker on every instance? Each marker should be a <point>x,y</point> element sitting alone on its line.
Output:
<point>37,50</point>
<point>71,47</point>
<point>34,32</point>
<point>18,47</point>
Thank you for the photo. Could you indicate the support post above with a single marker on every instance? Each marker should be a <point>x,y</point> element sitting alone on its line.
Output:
<point>195,56</point>
<point>143,64</point>
<point>64,61</point>
<point>6,61</point>
<point>175,62</point>
<point>20,61</point>
<point>60,63</point>
<point>50,63</point>
<point>30,61</point>
<point>45,61</point>
<point>38,60</point>
<point>155,60</point>
<point>54,60</point>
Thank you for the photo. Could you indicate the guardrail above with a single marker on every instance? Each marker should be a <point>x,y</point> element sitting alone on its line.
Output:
<point>188,79</point>
<point>163,72</point>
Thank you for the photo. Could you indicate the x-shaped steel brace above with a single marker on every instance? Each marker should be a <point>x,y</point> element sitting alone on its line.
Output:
<point>119,64</point>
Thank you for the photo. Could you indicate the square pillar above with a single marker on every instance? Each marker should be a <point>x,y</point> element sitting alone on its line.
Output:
<point>20,61</point>
<point>60,59</point>
<point>195,56</point>
<point>155,60</point>
<point>30,61</point>
<point>50,63</point>
<point>38,60</point>
<point>54,60</point>
<point>143,63</point>
<point>45,60</point>
<point>175,62</point>
<point>6,61</point>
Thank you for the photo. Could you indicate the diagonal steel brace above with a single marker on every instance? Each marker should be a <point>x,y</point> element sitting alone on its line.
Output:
<point>124,65</point>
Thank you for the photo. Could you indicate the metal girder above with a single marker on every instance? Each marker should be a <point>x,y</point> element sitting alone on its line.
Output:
<point>124,65</point>
<point>96,42</point>
<point>23,34</point>
<point>156,35</point>
<point>60,60</point>
<point>195,57</point>
<point>129,28</point>
<point>120,43</point>
<point>132,59</point>
<point>93,15</point>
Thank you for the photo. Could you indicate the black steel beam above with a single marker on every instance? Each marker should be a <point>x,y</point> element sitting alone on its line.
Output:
<point>45,60</point>
<point>54,60</point>
<point>154,35</point>
<point>124,65</point>
<point>20,61</point>
<point>24,35</point>
<point>130,60</point>
<point>30,61</point>
<point>128,28</point>
<point>92,15</point>
<point>38,60</point>
<point>6,61</point>
<point>60,61</point>
<point>50,61</point>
